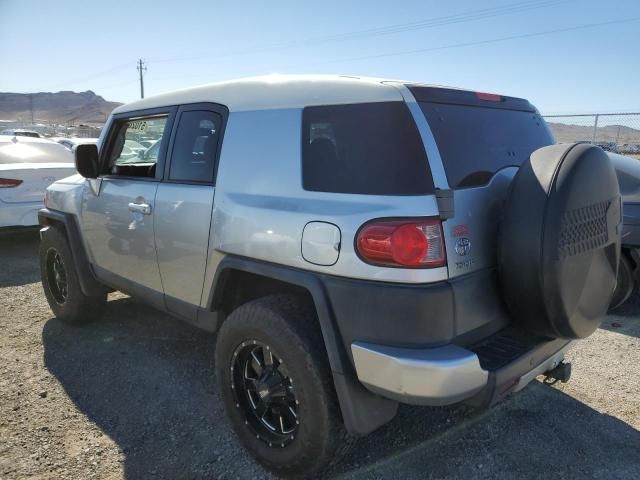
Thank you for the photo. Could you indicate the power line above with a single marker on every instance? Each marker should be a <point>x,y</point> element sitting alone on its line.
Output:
<point>91,76</point>
<point>464,17</point>
<point>465,44</point>
<point>484,42</point>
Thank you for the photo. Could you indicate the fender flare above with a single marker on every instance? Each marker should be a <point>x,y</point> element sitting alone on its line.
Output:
<point>362,411</point>
<point>89,284</point>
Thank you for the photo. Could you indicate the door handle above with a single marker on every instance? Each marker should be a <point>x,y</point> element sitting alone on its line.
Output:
<point>143,208</point>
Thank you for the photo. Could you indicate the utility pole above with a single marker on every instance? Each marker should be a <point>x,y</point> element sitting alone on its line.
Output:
<point>141,68</point>
<point>31,107</point>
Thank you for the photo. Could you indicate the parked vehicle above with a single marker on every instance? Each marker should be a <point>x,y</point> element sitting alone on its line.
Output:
<point>608,147</point>
<point>628,171</point>
<point>20,132</point>
<point>630,148</point>
<point>72,142</point>
<point>28,166</point>
<point>355,243</point>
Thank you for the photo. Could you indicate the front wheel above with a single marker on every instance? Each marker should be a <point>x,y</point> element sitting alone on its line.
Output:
<point>61,284</point>
<point>276,384</point>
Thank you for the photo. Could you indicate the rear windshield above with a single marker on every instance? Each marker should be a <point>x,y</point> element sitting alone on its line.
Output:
<point>369,148</point>
<point>476,141</point>
<point>34,152</point>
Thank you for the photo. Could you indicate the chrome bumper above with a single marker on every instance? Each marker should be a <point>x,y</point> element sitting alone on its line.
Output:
<point>430,376</point>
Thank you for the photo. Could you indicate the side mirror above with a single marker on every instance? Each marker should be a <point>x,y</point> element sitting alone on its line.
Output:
<point>87,160</point>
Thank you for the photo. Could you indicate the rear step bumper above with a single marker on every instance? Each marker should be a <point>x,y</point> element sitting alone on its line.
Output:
<point>449,374</point>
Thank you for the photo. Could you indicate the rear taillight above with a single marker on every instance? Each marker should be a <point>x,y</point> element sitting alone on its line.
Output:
<point>412,243</point>
<point>9,182</point>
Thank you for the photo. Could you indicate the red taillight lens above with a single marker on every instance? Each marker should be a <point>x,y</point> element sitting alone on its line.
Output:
<point>9,182</point>
<point>492,97</point>
<point>402,243</point>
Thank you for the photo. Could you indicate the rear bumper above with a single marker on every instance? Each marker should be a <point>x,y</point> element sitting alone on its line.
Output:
<point>431,376</point>
<point>19,214</point>
<point>449,374</point>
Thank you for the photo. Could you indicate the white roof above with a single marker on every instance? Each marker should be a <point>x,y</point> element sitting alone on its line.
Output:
<point>277,91</point>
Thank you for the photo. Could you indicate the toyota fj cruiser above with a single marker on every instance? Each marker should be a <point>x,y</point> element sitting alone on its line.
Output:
<point>354,242</point>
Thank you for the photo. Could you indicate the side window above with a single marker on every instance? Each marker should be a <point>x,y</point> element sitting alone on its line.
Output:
<point>129,154</point>
<point>195,145</point>
<point>368,148</point>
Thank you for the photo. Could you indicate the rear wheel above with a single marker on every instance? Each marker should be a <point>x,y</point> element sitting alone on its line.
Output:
<point>625,283</point>
<point>276,384</point>
<point>61,284</point>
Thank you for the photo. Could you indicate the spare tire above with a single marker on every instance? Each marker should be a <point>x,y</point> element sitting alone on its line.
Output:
<point>559,242</point>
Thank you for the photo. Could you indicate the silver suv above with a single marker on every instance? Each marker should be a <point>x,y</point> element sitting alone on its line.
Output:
<point>355,243</point>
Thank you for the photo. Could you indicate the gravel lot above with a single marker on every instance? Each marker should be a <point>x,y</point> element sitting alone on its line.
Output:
<point>133,396</point>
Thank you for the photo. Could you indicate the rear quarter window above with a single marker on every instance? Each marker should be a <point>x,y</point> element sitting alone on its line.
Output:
<point>369,148</point>
<point>476,142</point>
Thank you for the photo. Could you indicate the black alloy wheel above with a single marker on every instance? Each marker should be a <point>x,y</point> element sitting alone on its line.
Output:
<point>57,276</point>
<point>264,391</point>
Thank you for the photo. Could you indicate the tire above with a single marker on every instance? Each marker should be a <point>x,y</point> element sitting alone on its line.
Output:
<point>285,327</point>
<point>559,245</point>
<point>625,284</point>
<point>68,304</point>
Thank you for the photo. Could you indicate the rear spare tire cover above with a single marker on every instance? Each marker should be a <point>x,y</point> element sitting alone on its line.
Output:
<point>559,242</point>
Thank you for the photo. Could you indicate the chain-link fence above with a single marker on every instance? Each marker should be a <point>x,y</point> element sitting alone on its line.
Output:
<point>615,132</point>
<point>50,129</point>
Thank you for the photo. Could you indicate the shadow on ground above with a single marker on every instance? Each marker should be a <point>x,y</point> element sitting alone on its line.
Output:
<point>539,433</point>
<point>624,319</point>
<point>19,257</point>
<point>146,380</point>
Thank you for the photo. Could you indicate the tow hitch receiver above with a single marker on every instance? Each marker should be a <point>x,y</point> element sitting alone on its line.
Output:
<point>562,373</point>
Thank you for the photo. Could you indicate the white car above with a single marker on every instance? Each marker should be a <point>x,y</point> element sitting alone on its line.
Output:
<point>71,143</point>
<point>27,167</point>
<point>21,132</point>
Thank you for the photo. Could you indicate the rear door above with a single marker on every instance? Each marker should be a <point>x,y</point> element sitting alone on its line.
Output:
<point>482,140</point>
<point>184,204</point>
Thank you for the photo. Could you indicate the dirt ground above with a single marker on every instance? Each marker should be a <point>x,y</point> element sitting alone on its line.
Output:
<point>133,396</point>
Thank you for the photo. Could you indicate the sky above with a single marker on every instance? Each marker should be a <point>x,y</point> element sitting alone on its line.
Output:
<point>565,56</point>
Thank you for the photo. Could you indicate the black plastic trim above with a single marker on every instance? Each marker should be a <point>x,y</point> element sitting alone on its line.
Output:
<point>362,410</point>
<point>446,203</point>
<point>502,381</point>
<point>89,283</point>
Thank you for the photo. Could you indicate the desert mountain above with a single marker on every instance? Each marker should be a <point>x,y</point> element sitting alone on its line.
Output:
<point>60,107</point>
<point>609,133</point>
